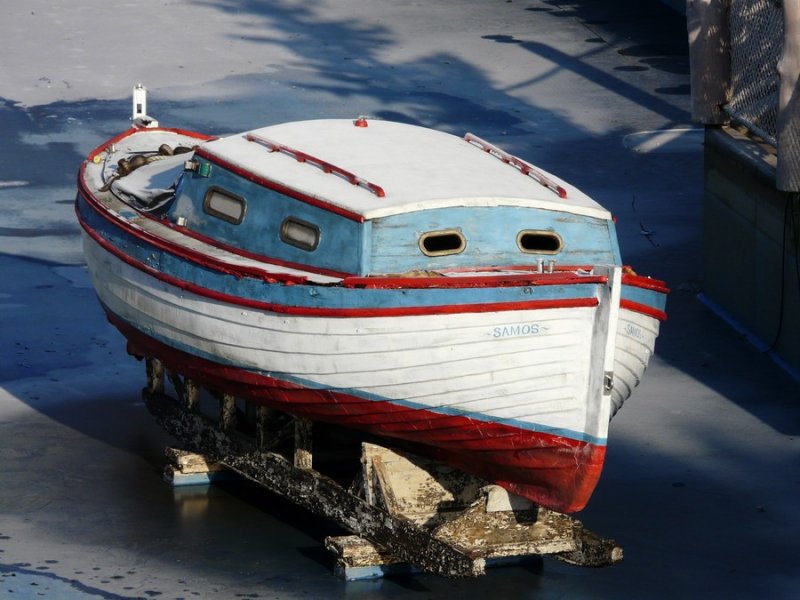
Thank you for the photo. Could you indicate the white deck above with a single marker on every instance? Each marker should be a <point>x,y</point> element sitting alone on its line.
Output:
<point>418,169</point>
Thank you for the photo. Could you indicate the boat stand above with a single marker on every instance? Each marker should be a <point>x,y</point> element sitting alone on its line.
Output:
<point>406,513</point>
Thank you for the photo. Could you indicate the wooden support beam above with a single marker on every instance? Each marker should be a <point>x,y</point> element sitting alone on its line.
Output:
<point>186,468</point>
<point>191,394</point>
<point>227,412</point>
<point>315,492</point>
<point>263,415</point>
<point>406,511</point>
<point>155,375</point>
<point>303,430</point>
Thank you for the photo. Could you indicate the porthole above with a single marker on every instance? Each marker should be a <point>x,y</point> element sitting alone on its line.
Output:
<point>442,243</point>
<point>225,206</point>
<point>539,242</point>
<point>300,234</point>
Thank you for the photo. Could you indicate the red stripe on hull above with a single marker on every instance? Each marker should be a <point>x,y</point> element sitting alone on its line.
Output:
<point>644,309</point>
<point>308,311</point>
<point>556,472</point>
<point>195,256</point>
<point>381,282</point>
<point>646,283</point>
<point>532,279</point>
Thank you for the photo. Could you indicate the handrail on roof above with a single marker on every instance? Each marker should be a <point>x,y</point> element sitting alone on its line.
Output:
<point>520,165</point>
<point>317,162</point>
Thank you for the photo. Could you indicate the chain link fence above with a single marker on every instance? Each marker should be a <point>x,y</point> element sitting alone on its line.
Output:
<point>756,42</point>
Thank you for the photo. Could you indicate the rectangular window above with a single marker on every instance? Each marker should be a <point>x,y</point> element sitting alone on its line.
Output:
<point>225,206</point>
<point>442,243</point>
<point>300,234</point>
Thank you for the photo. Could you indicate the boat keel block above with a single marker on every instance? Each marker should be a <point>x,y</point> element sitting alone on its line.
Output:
<point>406,513</point>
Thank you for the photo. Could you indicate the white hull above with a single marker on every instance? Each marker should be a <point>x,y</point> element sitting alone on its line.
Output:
<point>635,341</point>
<point>487,364</point>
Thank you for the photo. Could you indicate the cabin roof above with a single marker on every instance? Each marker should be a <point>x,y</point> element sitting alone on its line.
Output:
<point>415,167</point>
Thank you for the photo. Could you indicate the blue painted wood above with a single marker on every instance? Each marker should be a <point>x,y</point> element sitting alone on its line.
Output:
<point>491,238</point>
<point>389,244</point>
<point>340,245</point>
<point>315,296</point>
<point>652,298</point>
<point>196,479</point>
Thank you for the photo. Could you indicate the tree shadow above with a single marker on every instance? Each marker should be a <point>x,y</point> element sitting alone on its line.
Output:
<point>340,72</point>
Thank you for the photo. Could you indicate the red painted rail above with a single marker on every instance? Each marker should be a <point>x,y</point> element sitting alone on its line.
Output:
<point>317,162</point>
<point>519,164</point>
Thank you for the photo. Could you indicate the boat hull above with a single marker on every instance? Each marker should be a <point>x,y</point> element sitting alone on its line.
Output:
<point>510,373</point>
<point>505,394</point>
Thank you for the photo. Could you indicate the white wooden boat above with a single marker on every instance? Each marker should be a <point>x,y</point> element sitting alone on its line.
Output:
<point>386,277</point>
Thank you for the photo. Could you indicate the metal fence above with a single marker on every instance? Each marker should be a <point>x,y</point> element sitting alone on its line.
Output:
<point>756,42</point>
<point>745,68</point>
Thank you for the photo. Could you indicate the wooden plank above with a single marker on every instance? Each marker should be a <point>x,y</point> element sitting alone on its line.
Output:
<point>315,492</point>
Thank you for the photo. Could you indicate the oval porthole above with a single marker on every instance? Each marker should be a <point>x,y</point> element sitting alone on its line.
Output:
<point>539,242</point>
<point>225,206</point>
<point>300,234</point>
<point>442,243</point>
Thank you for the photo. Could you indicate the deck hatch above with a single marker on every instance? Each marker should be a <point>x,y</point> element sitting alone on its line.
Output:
<point>539,242</point>
<point>300,234</point>
<point>442,243</point>
<point>224,205</point>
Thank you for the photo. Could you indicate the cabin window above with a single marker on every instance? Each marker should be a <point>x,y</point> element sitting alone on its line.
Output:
<point>225,206</point>
<point>539,242</point>
<point>300,234</point>
<point>442,243</point>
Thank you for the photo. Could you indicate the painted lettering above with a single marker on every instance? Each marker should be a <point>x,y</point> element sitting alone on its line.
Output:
<point>522,329</point>
<point>634,331</point>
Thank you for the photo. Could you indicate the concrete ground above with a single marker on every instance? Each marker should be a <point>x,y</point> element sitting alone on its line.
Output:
<point>703,466</point>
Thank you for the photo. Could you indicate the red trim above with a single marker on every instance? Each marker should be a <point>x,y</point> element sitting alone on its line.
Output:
<point>194,256</point>
<point>134,130</point>
<point>533,279</point>
<point>554,471</point>
<point>335,312</point>
<point>325,166</point>
<point>282,189</point>
<point>644,309</point>
<point>644,282</point>
<point>251,255</point>
<point>110,216</point>
<point>476,281</point>
<point>524,267</point>
<point>519,164</point>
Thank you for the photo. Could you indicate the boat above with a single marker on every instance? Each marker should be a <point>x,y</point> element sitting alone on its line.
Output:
<point>421,287</point>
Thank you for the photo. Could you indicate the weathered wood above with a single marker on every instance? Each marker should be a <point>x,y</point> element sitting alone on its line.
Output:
<point>191,394</point>
<point>355,551</point>
<point>315,492</point>
<point>191,462</point>
<point>263,414</point>
<point>227,412</point>
<point>155,375</point>
<point>186,468</point>
<point>422,490</point>
<point>405,510</point>
<point>592,551</point>
<point>303,457</point>
<point>356,558</point>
